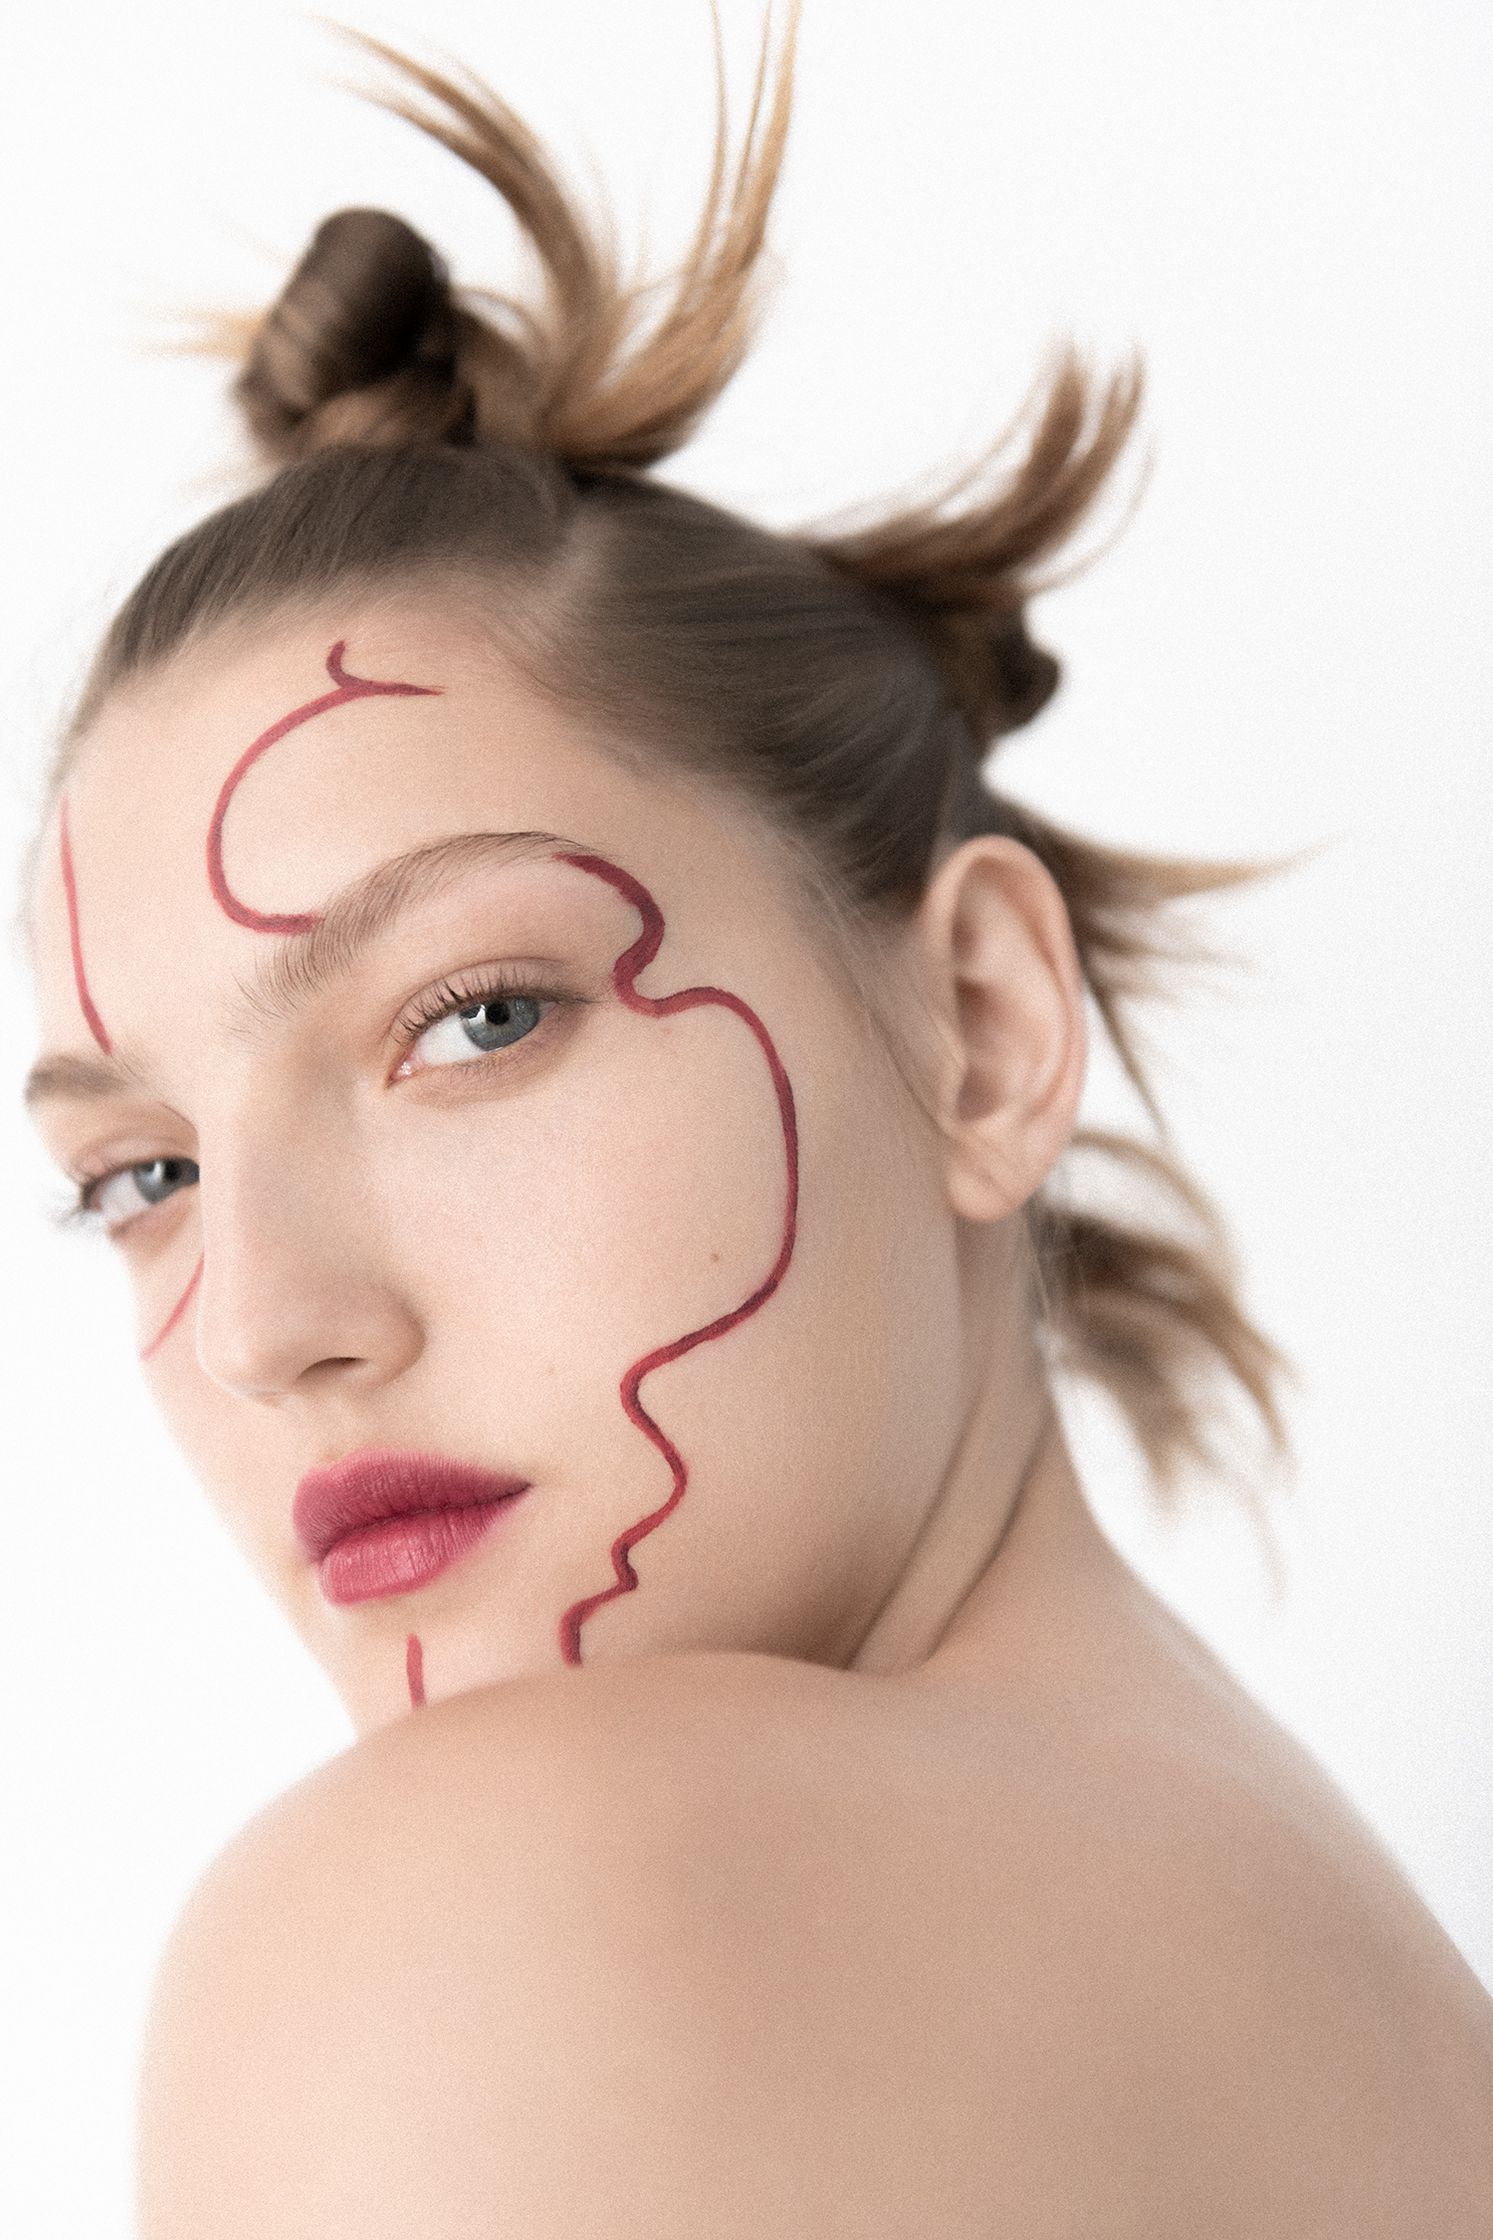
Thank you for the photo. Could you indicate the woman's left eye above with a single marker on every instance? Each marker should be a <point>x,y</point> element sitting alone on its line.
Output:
<point>462,1026</point>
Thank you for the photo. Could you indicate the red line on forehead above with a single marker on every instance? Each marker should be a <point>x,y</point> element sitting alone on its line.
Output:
<point>624,973</point>
<point>345,688</point>
<point>96,1025</point>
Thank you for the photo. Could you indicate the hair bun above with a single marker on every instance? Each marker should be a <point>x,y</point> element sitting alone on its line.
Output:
<point>360,346</point>
<point>997,673</point>
<point>1026,674</point>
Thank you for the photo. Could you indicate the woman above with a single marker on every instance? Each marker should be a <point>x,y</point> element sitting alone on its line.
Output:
<point>574,1056</point>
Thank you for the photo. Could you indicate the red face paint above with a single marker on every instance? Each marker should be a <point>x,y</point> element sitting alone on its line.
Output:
<point>624,974</point>
<point>174,1317</point>
<point>100,1035</point>
<point>96,1025</point>
<point>345,688</point>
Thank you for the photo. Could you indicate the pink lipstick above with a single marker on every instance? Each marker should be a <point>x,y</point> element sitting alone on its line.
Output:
<point>381,1522</point>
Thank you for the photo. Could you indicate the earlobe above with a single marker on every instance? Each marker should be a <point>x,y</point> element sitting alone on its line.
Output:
<point>999,945</point>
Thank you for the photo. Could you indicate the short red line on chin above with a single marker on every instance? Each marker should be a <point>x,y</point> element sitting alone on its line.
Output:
<point>624,975</point>
<point>174,1317</point>
<point>96,1025</point>
<point>414,1669</point>
<point>345,688</point>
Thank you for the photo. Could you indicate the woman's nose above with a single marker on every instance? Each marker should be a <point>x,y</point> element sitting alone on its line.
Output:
<point>298,1285</point>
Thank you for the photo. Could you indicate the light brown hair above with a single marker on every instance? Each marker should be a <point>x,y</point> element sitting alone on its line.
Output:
<point>848,684</point>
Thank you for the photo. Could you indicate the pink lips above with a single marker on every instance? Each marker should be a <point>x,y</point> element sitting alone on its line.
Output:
<point>381,1522</point>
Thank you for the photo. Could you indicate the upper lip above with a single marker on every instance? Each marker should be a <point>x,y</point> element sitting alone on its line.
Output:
<point>381,1482</point>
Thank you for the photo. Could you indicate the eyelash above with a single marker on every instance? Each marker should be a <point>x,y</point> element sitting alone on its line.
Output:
<point>494,985</point>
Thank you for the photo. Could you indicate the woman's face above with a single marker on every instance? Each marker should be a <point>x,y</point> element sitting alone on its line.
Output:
<point>467,1093</point>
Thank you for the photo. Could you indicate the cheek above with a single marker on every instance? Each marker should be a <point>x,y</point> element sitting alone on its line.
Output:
<point>555,1237</point>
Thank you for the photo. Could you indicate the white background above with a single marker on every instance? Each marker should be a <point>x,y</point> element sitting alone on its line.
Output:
<point>1286,205</point>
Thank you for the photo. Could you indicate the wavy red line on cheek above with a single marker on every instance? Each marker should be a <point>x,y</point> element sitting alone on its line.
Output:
<point>414,1669</point>
<point>96,1025</point>
<point>624,974</point>
<point>345,688</point>
<point>174,1317</point>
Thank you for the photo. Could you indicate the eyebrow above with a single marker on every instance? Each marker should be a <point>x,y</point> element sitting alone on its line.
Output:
<point>78,1080</point>
<point>298,967</point>
<point>301,966</point>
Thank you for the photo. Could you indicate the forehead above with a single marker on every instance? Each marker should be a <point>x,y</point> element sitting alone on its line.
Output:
<point>312,787</point>
<point>434,731</point>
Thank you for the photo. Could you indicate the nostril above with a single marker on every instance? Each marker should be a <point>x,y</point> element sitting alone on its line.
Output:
<point>341,1369</point>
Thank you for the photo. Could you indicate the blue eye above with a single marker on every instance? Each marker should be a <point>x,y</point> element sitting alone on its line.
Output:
<point>119,1197</point>
<point>476,1016</point>
<point>479,1027</point>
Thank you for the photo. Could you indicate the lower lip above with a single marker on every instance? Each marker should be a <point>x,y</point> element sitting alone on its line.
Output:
<point>402,1553</point>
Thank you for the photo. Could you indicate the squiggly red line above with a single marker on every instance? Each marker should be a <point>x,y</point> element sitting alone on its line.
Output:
<point>96,1025</point>
<point>624,974</point>
<point>345,688</point>
<point>101,1037</point>
<point>174,1317</point>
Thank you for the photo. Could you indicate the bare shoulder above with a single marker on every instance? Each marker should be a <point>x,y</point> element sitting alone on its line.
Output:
<point>458,1980</point>
<point>720,1943</point>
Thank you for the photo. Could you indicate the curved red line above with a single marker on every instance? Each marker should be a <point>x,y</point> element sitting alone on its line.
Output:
<point>174,1317</point>
<point>345,688</point>
<point>624,974</point>
<point>96,1025</point>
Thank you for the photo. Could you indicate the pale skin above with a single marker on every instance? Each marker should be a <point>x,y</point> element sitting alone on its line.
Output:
<point>892,1861</point>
